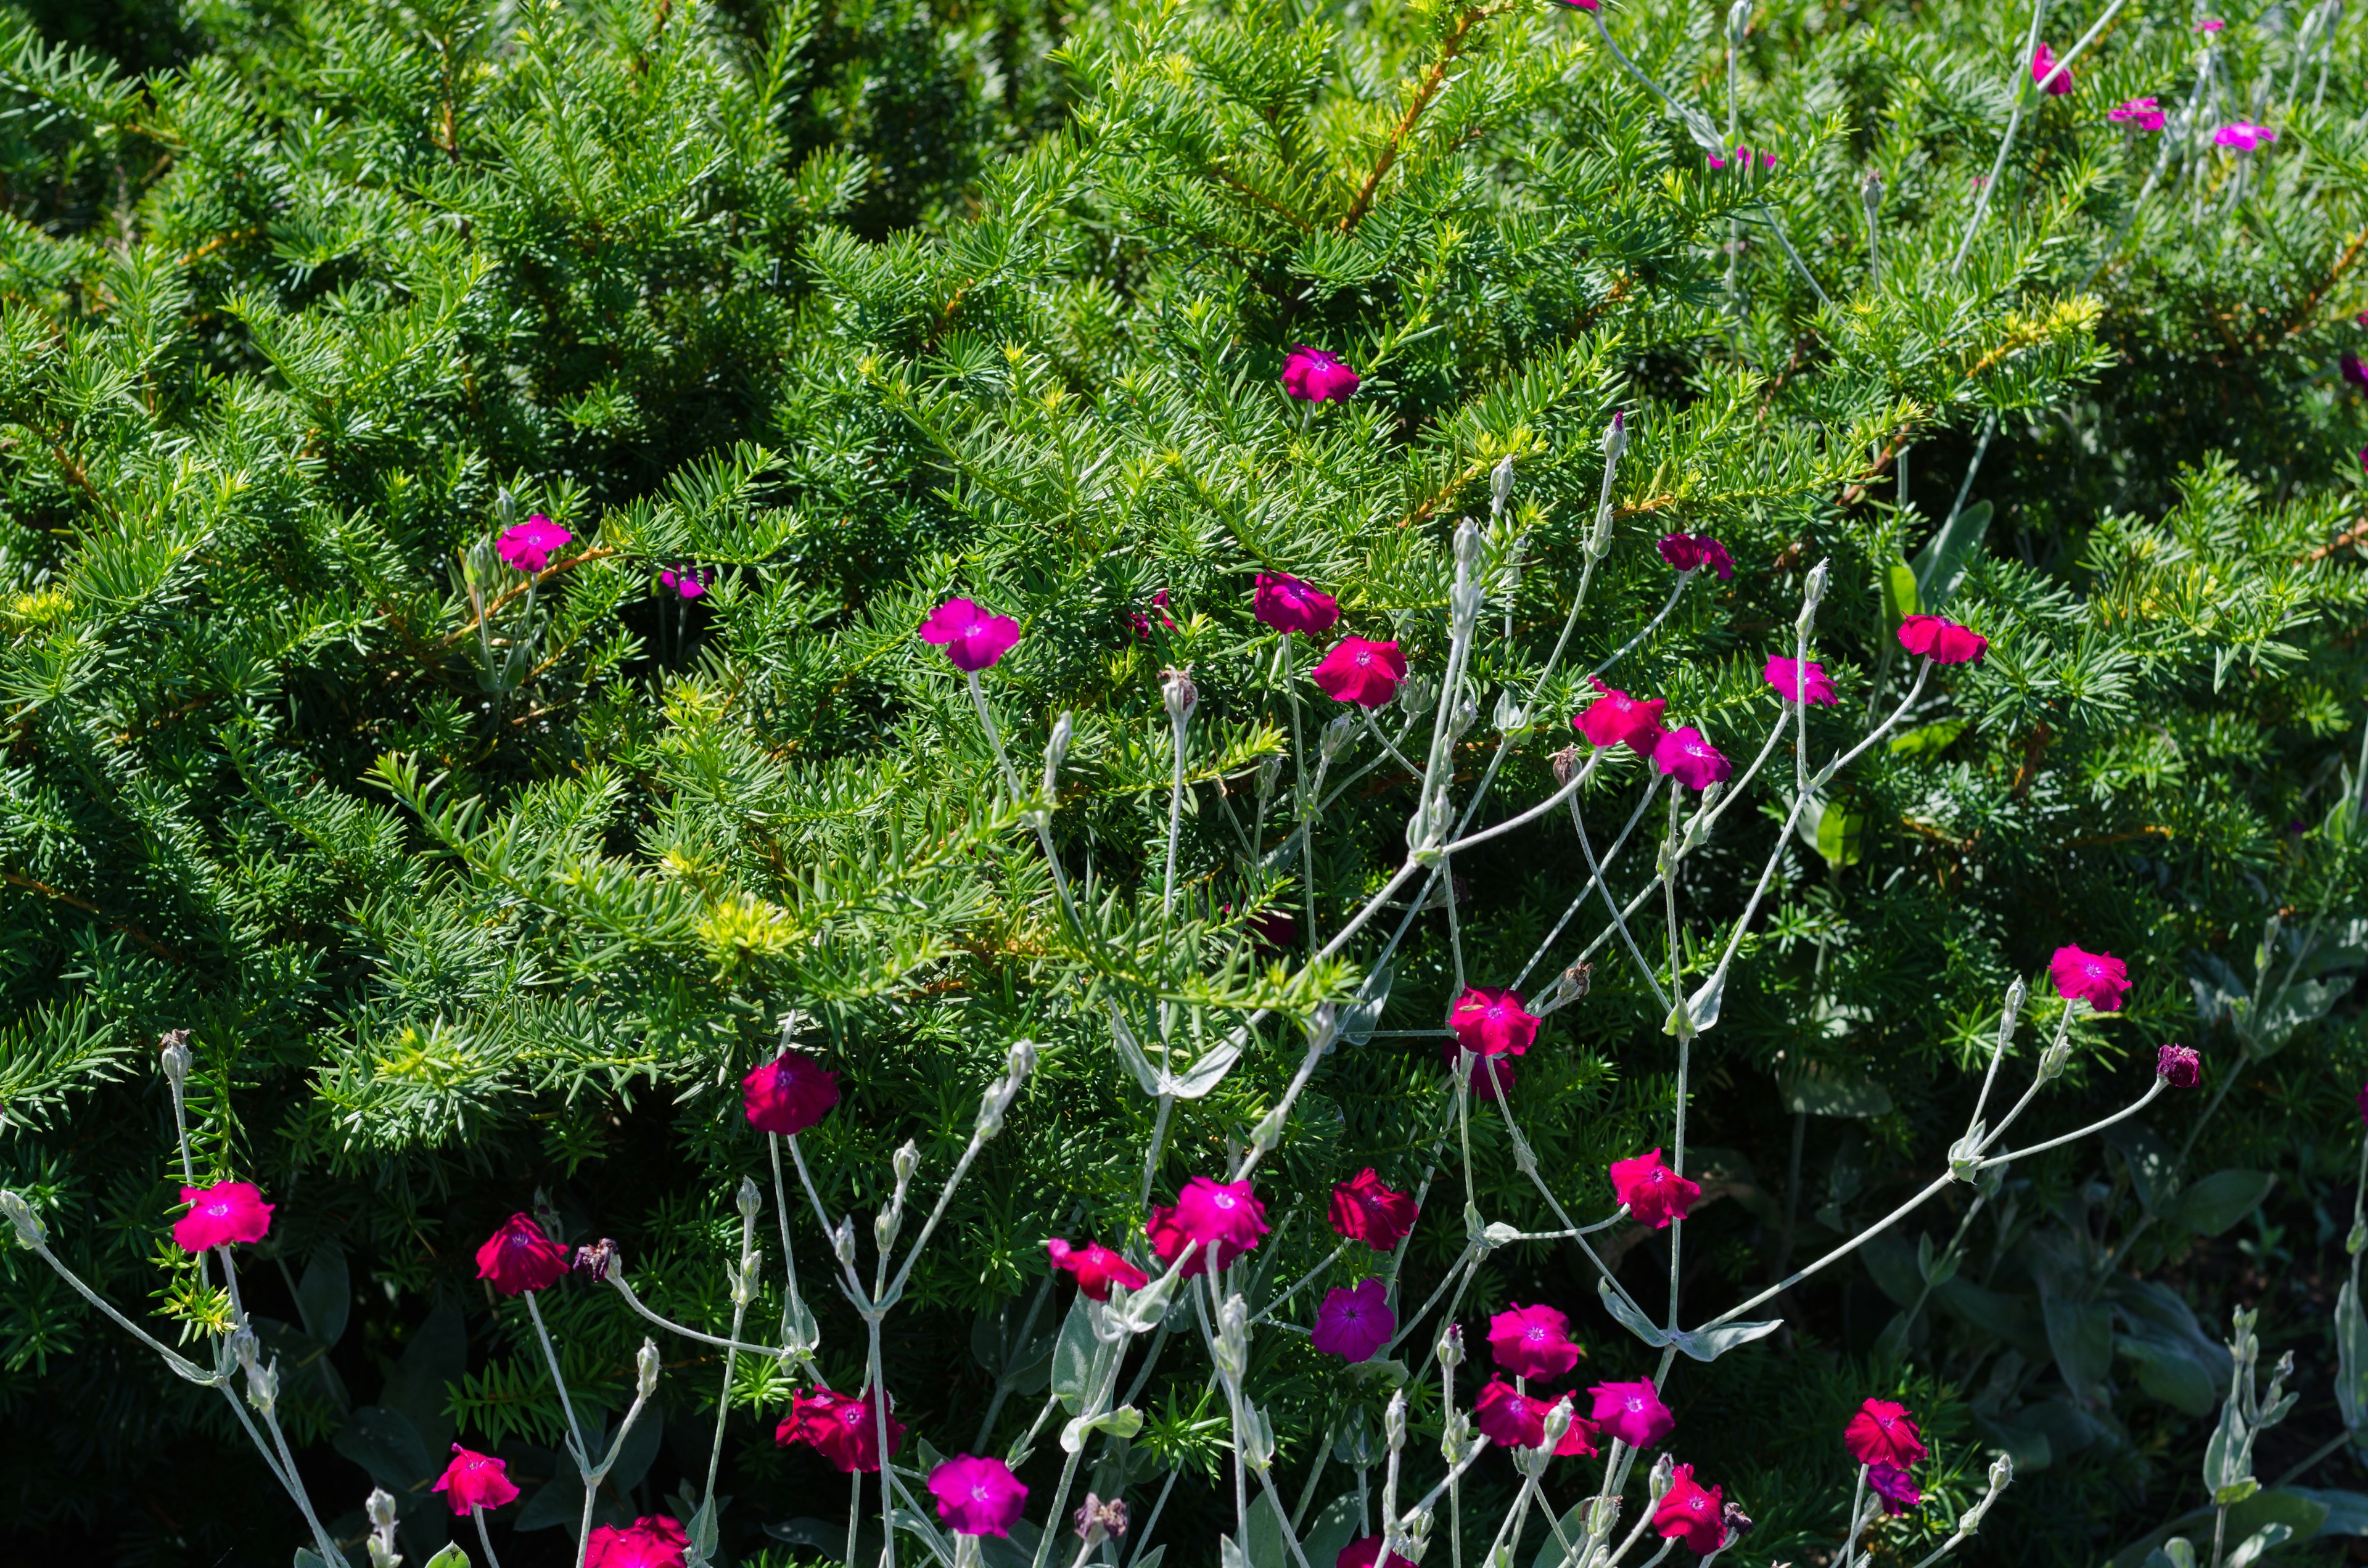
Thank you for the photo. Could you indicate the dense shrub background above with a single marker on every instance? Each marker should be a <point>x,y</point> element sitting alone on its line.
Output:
<point>859,305</point>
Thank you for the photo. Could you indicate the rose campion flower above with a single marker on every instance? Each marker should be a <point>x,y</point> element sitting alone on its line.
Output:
<point>2244,136</point>
<point>475,1481</point>
<point>1633,1413</point>
<point>1614,717</point>
<point>1363,1553</point>
<point>225,1213</point>
<point>2144,113</point>
<point>1687,754</point>
<point>1227,1213</point>
<point>2099,979</point>
<point>2044,73</point>
<point>1654,1194</point>
<point>977,1496</point>
<point>1369,1209</point>
<point>1507,1418</point>
<point>1796,679</point>
<point>1693,1513</point>
<point>1490,1022</point>
<point>843,1430</point>
<point>1095,1267</point>
<point>1894,1487</point>
<point>1491,1075</point>
<point>518,1257</point>
<point>1142,622</point>
<point>2178,1066</point>
<point>1944,642</point>
<point>2352,370</point>
<point>1884,1432</point>
<point>788,1095</point>
<point>1689,552</point>
<point>974,638</point>
<point>527,546</point>
<point>1288,605</point>
<point>654,1542</point>
<point>1579,1441</point>
<point>2210,25</point>
<point>691,582</point>
<point>1362,671</point>
<point>1355,1324</point>
<point>1576,5</point>
<point>1313,376</point>
<point>1532,1342</point>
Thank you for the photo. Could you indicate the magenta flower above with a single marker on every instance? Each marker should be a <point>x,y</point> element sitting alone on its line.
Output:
<point>1142,622</point>
<point>1633,1413</point>
<point>1578,1441</point>
<point>1692,1513</point>
<point>1654,1193</point>
<point>2244,135</point>
<point>973,638</point>
<point>1225,1213</point>
<point>528,545</point>
<point>2362,1103</point>
<point>1363,1553</point>
<point>1715,161</point>
<point>1695,763</point>
<point>2144,113</point>
<point>1895,1487</point>
<point>1944,642</point>
<point>475,1481</point>
<point>1354,1324</point>
<point>1369,1209</point>
<point>1313,376</point>
<point>788,1095</point>
<point>1687,551</point>
<point>2178,1066</point>
<point>1489,1020</point>
<point>2352,369</point>
<point>844,1430</point>
<point>977,1496</point>
<point>1883,1433</point>
<point>1362,671</point>
<point>654,1542</point>
<point>2099,979</point>
<point>2044,71</point>
<point>1576,5</point>
<point>1491,1075</point>
<point>1507,1418</point>
<point>1799,679</point>
<point>1532,1342</point>
<point>2210,25</point>
<point>225,1213</point>
<point>1169,1242</point>
<point>518,1257</point>
<point>1283,602</point>
<point>1095,1267</point>
<point>1614,717</point>
<point>691,582</point>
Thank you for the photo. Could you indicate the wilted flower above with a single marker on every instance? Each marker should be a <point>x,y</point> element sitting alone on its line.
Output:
<point>2099,979</point>
<point>225,1213</point>
<point>655,1541</point>
<point>1532,1342</point>
<point>2044,71</point>
<point>594,1262</point>
<point>519,1257</point>
<point>1884,1432</point>
<point>475,1481</point>
<point>2178,1066</point>
<point>1633,1413</point>
<point>788,1095</point>
<point>1687,551</point>
<point>1353,1325</point>
<point>1507,1418</point>
<point>1490,1022</point>
<point>843,1430</point>
<point>1944,641</point>
<point>1692,1513</point>
<point>2244,135</point>
<point>1688,757</point>
<point>1142,622</point>
<point>973,638</point>
<point>1313,376</point>
<point>1894,1487</point>
<point>527,546</point>
<point>1095,1267</point>
<point>1369,1209</point>
<point>977,1496</point>
<point>1798,680</point>
<point>1578,1441</point>
<point>1614,717</point>
<point>2144,113</point>
<point>1366,1553</point>
<point>1654,1193</point>
<point>1097,1520</point>
<point>1286,604</point>
<point>1362,671</point>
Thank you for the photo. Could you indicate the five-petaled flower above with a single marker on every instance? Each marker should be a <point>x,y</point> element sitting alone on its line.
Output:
<point>2048,73</point>
<point>1633,1413</point>
<point>225,1213</point>
<point>1687,551</point>
<point>844,1430</point>
<point>528,545</point>
<point>2244,135</point>
<point>1614,717</point>
<point>2144,113</point>
<point>1798,680</point>
<point>1353,1325</point>
<point>1225,1212</point>
<point>691,582</point>
<point>788,1095</point>
<point>518,1257</point>
<point>977,1496</point>
<point>1313,376</point>
<point>2210,25</point>
<point>1693,1513</point>
<point>2099,979</point>
<point>475,1481</point>
<point>1095,1267</point>
<point>1894,1487</point>
<point>1579,1441</point>
<point>1287,603</point>
<point>1654,1193</point>
<point>974,637</point>
<point>1362,671</point>
<point>1366,1553</point>
<point>1367,1209</point>
<point>2178,1066</point>
<point>1687,754</point>
<point>1532,1342</point>
<point>1509,1419</point>
<point>652,1541</point>
<point>1489,1020</point>
<point>1943,641</point>
<point>1883,1432</point>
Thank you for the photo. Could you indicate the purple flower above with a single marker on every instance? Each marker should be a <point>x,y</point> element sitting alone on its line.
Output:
<point>1654,1193</point>
<point>1142,622</point>
<point>1693,760</point>
<point>2244,135</point>
<point>1687,551</point>
<point>2352,370</point>
<point>788,1095</point>
<point>1354,1324</point>
<point>977,1496</point>
<point>2044,71</point>
<point>1895,1487</point>
<point>1884,1433</point>
<point>2210,25</point>
<point>1283,602</point>
<point>973,638</point>
<point>1508,1417</point>
<point>1489,1020</point>
<point>2099,979</point>
<point>1633,1413</point>
<point>691,582</point>
<point>1944,642</point>
<point>1224,1213</point>
<point>1798,680</point>
<point>529,545</point>
<point>1313,376</point>
<point>2178,1066</point>
<point>2144,113</point>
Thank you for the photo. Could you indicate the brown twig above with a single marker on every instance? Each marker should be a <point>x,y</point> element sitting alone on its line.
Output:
<point>16,879</point>
<point>1432,79</point>
<point>2349,537</point>
<point>595,554</point>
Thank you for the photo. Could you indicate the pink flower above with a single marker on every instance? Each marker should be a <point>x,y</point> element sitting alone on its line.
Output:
<point>1633,1413</point>
<point>2044,71</point>
<point>2362,1103</point>
<point>2352,369</point>
<point>691,582</point>
<point>788,1095</point>
<point>1362,671</point>
<point>1369,1209</point>
<point>1796,679</point>
<point>1491,1075</point>
<point>1509,1419</point>
<point>2210,25</point>
<point>2144,113</point>
<point>1226,1213</point>
<point>1687,551</point>
<point>2178,1066</point>
<point>1578,1441</point>
<point>1692,1513</point>
<point>1883,1433</point>
<point>1895,1487</point>
<point>2244,135</point>
<point>519,1257</point>
<point>977,1496</point>
<point>527,546</point>
<point>1693,760</point>
<point>844,1430</point>
<point>475,1481</point>
<point>1715,161</point>
<point>1095,1267</point>
<point>225,1213</point>
<point>973,638</point>
<point>1490,1022</point>
<point>1767,161</point>
<point>1654,1193</point>
<point>1944,641</point>
<point>1614,717</point>
<point>1353,1325</point>
<point>655,1541</point>
<point>1142,622</point>
<point>2099,979</point>
<point>1313,376</point>
<point>1283,602</point>
<point>1532,1342</point>
<point>1363,1553</point>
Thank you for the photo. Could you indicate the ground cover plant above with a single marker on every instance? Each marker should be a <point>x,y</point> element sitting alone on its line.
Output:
<point>1244,784</point>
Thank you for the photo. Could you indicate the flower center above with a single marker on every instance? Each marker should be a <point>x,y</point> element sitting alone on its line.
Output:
<point>1225,1201</point>
<point>1535,1335</point>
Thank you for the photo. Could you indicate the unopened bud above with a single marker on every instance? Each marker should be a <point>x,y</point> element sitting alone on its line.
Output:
<point>1020,1061</point>
<point>1335,738</point>
<point>751,1202</point>
<point>2012,1011</point>
<point>379,1509</point>
<point>886,1224</point>
<point>1270,770</point>
<point>842,1241</point>
<point>2052,1060</point>
<point>244,1346</point>
<point>174,1055</point>
<point>646,1366</point>
<point>1176,690</point>
<point>1394,1421</point>
<point>1451,1345</point>
<point>1615,436</point>
<point>1665,1470</point>
<point>1566,763</point>
<point>1500,485</point>
<point>1557,1424</point>
<point>1738,20</point>
<point>1468,546</point>
<point>19,1214</point>
<point>1056,751</point>
<point>906,1161</point>
<point>263,1385</point>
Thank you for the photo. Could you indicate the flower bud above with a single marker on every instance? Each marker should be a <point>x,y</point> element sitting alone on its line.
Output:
<point>263,1385</point>
<point>1603,1517</point>
<point>1271,768</point>
<point>1739,21</point>
<point>1465,600</point>
<point>1615,436</point>
<point>1500,485</point>
<point>1176,690</point>
<point>19,1214</point>
<point>1334,739</point>
<point>2011,1012</point>
<point>1557,1424</point>
<point>842,1241</point>
<point>1451,1345</point>
<point>2052,1060</point>
<point>1018,1062</point>
<point>1257,1440</point>
<point>174,1054</point>
<point>1665,1470</point>
<point>1233,1338</point>
<point>1454,1431</point>
<point>1566,763</point>
<point>1056,751</point>
<point>886,1224</point>
<point>244,1346</point>
<point>2356,1241</point>
<point>379,1509</point>
<point>750,1201</point>
<point>1394,1421</point>
<point>1356,1445</point>
<point>1468,546</point>
<point>646,1366</point>
<point>906,1161</point>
